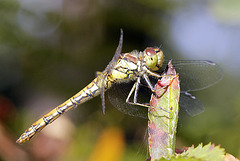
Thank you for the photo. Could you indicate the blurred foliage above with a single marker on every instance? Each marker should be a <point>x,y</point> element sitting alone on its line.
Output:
<point>227,11</point>
<point>49,50</point>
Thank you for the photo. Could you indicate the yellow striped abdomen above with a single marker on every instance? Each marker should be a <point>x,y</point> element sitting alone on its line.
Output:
<point>90,91</point>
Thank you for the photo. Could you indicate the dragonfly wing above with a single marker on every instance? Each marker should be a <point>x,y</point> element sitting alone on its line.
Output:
<point>190,104</point>
<point>194,75</point>
<point>110,67</point>
<point>197,74</point>
<point>118,93</point>
<point>117,53</point>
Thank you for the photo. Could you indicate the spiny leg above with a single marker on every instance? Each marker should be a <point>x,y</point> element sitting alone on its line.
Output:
<point>153,74</point>
<point>135,88</point>
<point>148,82</point>
<point>146,105</point>
<point>131,92</point>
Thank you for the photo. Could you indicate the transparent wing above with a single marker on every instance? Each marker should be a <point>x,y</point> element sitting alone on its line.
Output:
<point>117,53</point>
<point>190,104</point>
<point>118,93</point>
<point>108,68</point>
<point>196,74</point>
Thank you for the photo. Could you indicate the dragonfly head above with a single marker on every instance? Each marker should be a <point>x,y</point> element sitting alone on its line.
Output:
<point>153,58</point>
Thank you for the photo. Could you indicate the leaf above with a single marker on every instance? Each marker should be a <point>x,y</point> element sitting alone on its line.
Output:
<point>163,115</point>
<point>229,157</point>
<point>179,159</point>
<point>209,152</point>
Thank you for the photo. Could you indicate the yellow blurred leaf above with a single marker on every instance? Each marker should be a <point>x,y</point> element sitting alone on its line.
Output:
<point>110,146</point>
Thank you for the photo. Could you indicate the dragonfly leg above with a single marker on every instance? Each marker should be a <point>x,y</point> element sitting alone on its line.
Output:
<point>146,105</point>
<point>157,75</point>
<point>131,92</point>
<point>153,74</point>
<point>148,82</point>
<point>136,90</point>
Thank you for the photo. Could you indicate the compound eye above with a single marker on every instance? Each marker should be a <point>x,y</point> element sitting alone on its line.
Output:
<point>150,51</point>
<point>151,58</point>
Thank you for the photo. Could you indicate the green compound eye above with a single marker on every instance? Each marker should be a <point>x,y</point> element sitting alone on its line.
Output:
<point>151,59</point>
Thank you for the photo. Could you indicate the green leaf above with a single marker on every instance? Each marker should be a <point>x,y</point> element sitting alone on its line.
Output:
<point>179,159</point>
<point>163,115</point>
<point>209,152</point>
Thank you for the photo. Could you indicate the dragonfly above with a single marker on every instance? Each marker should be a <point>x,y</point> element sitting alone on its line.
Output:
<point>135,71</point>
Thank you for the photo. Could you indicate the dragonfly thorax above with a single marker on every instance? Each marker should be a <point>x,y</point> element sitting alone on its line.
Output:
<point>136,64</point>
<point>127,68</point>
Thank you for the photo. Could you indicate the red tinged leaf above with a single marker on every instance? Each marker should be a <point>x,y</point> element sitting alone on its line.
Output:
<point>163,115</point>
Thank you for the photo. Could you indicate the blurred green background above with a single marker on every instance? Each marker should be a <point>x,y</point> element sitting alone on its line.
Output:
<point>49,50</point>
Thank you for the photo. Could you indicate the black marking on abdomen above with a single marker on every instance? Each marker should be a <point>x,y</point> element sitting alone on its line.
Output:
<point>34,129</point>
<point>60,111</point>
<point>87,95</point>
<point>46,120</point>
<point>74,103</point>
<point>93,93</point>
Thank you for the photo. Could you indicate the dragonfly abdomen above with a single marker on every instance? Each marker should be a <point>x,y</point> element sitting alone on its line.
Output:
<point>90,91</point>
